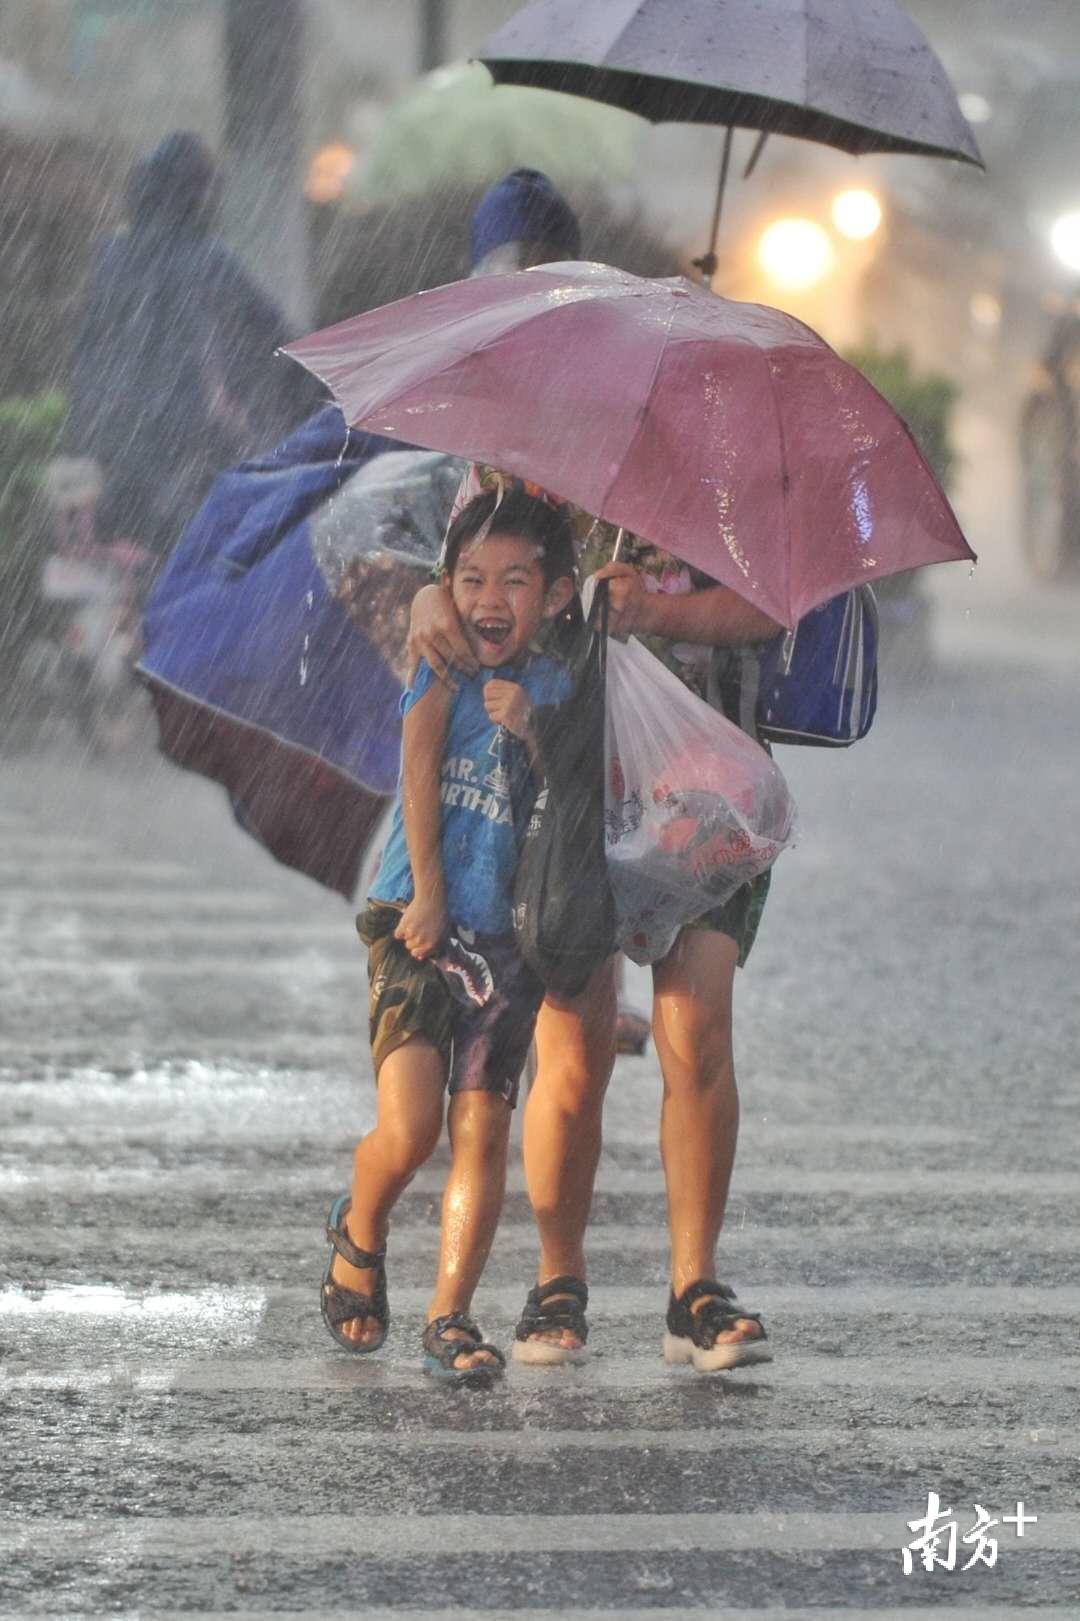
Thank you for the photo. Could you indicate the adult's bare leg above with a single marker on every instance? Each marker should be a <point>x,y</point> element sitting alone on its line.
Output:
<point>699,1118</point>
<point>575,1043</point>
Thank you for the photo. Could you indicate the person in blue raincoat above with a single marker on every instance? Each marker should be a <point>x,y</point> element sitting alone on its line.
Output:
<point>262,678</point>
<point>174,375</point>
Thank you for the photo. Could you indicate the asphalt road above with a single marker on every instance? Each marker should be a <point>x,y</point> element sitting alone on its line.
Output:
<point>183,1072</point>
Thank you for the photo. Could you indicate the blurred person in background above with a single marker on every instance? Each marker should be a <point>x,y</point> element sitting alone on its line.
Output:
<point>174,376</point>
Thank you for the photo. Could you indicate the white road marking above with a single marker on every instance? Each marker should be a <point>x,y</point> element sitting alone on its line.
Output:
<point>314,1536</point>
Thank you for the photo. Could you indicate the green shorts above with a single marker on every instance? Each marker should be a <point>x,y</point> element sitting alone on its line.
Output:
<point>739,917</point>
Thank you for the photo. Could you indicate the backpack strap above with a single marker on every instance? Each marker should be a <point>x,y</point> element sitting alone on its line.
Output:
<point>734,683</point>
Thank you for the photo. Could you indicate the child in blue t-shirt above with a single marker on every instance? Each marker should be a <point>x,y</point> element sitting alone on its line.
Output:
<point>451,1000</point>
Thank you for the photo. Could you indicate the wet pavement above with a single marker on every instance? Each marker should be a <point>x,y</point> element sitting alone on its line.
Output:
<point>183,1073</point>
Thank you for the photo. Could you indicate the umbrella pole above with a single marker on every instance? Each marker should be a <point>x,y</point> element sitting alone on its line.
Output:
<point>759,147</point>
<point>708,261</point>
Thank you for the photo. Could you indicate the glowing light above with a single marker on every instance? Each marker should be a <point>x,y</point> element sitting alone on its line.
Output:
<point>328,171</point>
<point>985,310</point>
<point>1065,239</point>
<point>795,253</point>
<point>975,108</point>
<point>856,214</point>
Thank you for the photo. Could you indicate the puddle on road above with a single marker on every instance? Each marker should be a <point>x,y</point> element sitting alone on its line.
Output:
<point>93,1321</point>
<point>107,1300</point>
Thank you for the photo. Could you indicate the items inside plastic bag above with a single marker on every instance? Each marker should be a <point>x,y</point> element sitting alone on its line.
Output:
<point>377,538</point>
<point>694,808</point>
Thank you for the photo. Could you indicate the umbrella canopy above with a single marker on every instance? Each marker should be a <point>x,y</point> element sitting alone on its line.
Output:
<point>727,433</point>
<point>853,74</point>
<point>455,129</point>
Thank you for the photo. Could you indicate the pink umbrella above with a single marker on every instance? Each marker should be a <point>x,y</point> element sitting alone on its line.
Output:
<point>729,434</point>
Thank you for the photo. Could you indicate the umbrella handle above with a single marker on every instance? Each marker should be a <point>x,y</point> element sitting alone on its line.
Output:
<point>708,262</point>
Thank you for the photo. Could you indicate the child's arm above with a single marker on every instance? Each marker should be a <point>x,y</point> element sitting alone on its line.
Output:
<point>423,922</point>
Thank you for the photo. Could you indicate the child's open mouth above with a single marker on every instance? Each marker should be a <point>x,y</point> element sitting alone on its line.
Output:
<point>493,631</point>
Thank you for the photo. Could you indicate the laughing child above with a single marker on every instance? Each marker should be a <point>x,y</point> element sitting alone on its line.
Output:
<point>452,1005</point>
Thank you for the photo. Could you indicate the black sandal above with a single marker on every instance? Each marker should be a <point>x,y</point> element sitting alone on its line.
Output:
<point>558,1304</point>
<point>441,1352</point>
<point>691,1335</point>
<point>341,1305</point>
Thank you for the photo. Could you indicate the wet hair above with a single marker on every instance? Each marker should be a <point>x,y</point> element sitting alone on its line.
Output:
<point>526,518</point>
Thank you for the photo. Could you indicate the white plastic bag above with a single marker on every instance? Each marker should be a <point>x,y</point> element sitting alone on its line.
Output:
<point>694,808</point>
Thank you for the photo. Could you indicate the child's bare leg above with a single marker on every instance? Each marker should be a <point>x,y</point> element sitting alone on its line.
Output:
<point>479,1127</point>
<point>407,1128</point>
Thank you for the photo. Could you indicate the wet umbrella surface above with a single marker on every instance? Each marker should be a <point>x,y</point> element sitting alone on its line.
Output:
<point>858,76</point>
<point>728,433</point>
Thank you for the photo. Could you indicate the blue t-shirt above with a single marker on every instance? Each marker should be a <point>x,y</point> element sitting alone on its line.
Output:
<point>488,790</point>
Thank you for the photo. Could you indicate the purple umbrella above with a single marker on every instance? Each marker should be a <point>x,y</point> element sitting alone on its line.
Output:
<point>853,74</point>
<point>727,433</point>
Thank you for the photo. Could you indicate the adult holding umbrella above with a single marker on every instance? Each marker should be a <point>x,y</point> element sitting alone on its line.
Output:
<point>861,79</point>
<point>765,475</point>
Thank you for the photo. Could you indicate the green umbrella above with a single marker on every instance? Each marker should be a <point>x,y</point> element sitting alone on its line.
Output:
<point>457,128</point>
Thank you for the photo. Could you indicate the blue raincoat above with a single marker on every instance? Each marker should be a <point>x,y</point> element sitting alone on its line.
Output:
<point>174,375</point>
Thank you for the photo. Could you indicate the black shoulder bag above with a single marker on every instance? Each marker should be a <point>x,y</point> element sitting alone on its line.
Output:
<point>564,911</point>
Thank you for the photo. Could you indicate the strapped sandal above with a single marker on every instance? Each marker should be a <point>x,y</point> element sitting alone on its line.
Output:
<point>691,1335</point>
<point>558,1304</point>
<point>441,1352</point>
<point>341,1305</point>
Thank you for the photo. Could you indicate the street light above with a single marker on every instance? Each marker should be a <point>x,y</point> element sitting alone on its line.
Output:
<point>795,253</point>
<point>856,213</point>
<point>1065,239</point>
<point>975,108</point>
<point>328,171</point>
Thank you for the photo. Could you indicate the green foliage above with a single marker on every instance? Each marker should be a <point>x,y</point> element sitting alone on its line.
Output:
<point>29,434</point>
<point>30,431</point>
<point>924,399</point>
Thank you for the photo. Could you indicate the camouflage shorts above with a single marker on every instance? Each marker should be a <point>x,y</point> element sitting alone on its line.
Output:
<point>476,1003</point>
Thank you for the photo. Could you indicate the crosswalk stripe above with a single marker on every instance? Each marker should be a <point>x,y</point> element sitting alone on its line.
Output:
<point>310,1536</point>
<point>960,1371</point>
<point>996,1303</point>
<point>223,965</point>
<point>371,1446</point>
<point>714,1612</point>
<point>108,899</point>
<point>750,1180</point>
<point>420,1239</point>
